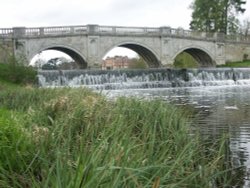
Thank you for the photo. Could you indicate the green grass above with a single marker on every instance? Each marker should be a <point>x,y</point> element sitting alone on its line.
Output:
<point>17,74</point>
<point>76,138</point>
<point>236,64</point>
<point>185,60</point>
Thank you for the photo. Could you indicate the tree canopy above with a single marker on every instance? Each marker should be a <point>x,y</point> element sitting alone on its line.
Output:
<point>216,15</point>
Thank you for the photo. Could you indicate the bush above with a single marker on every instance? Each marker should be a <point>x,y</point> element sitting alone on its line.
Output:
<point>17,73</point>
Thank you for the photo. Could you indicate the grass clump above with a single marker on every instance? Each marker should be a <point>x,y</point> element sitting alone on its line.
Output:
<point>76,138</point>
<point>16,151</point>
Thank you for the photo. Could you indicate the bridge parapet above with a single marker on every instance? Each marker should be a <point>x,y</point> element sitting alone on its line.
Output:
<point>53,31</point>
<point>6,33</point>
<point>23,32</point>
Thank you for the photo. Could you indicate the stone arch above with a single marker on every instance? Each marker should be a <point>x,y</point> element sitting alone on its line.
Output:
<point>149,56</point>
<point>74,54</point>
<point>201,55</point>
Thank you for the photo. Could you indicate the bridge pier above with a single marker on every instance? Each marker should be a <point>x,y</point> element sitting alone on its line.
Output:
<point>220,61</point>
<point>167,62</point>
<point>93,47</point>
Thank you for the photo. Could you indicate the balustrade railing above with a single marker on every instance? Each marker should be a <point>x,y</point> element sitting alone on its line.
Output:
<point>6,32</point>
<point>128,30</point>
<point>18,32</point>
<point>79,29</point>
<point>107,29</point>
<point>32,32</point>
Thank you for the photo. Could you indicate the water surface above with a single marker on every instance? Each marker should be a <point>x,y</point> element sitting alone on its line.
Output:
<point>219,99</point>
<point>217,109</point>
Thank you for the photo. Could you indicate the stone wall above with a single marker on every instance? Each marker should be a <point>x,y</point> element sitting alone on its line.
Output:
<point>237,52</point>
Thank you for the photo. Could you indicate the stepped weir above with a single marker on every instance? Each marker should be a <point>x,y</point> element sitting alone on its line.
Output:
<point>148,78</point>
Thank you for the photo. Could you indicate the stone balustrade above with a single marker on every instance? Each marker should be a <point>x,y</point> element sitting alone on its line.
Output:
<point>23,32</point>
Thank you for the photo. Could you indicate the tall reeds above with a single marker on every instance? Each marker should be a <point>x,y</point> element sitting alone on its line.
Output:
<point>77,138</point>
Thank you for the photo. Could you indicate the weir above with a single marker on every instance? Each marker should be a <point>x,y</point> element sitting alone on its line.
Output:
<point>148,78</point>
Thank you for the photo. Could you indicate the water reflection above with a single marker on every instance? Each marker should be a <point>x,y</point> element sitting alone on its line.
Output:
<point>217,110</point>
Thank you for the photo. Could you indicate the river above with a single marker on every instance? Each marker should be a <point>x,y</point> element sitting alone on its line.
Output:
<point>219,99</point>
<point>218,110</point>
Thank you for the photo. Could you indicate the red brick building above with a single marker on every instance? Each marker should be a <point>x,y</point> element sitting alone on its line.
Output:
<point>117,62</point>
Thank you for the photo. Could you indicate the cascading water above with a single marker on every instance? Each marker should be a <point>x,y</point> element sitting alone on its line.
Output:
<point>149,78</point>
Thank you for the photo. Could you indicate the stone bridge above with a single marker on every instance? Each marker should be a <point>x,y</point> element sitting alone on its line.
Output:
<point>88,44</point>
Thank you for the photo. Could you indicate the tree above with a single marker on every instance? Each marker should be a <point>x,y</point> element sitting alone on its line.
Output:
<point>216,15</point>
<point>245,27</point>
<point>138,63</point>
<point>202,16</point>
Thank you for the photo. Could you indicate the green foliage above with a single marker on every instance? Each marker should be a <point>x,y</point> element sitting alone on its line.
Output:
<point>138,63</point>
<point>17,74</point>
<point>16,151</point>
<point>49,66</point>
<point>216,15</point>
<point>80,139</point>
<point>202,16</point>
<point>184,60</point>
<point>236,64</point>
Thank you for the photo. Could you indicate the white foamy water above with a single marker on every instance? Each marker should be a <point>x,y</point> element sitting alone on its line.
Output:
<point>150,78</point>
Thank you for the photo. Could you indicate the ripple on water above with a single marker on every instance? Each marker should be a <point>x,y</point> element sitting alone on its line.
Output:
<point>218,110</point>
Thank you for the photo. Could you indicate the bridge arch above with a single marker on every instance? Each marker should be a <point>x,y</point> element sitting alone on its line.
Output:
<point>149,56</point>
<point>203,57</point>
<point>74,54</point>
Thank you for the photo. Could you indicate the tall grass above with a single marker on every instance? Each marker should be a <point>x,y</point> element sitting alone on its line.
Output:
<point>16,73</point>
<point>76,138</point>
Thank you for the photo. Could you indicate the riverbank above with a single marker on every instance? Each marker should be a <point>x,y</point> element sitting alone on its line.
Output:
<point>14,73</point>
<point>185,60</point>
<point>77,138</point>
<point>240,64</point>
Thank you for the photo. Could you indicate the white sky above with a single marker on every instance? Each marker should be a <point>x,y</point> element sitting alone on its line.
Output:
<point>150,13</point>
<point>155,13</point>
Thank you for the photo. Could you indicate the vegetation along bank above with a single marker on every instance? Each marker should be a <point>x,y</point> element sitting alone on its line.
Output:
<point>77,138</point>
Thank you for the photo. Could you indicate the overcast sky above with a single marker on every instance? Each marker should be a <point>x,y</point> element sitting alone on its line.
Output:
<point>156,13</point>
<point>151,13</point>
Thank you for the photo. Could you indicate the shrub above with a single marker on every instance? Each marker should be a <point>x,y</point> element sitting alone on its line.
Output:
<point>17,73</point>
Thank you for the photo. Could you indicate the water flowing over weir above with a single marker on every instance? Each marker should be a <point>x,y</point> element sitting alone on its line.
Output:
<point>148,78</point>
